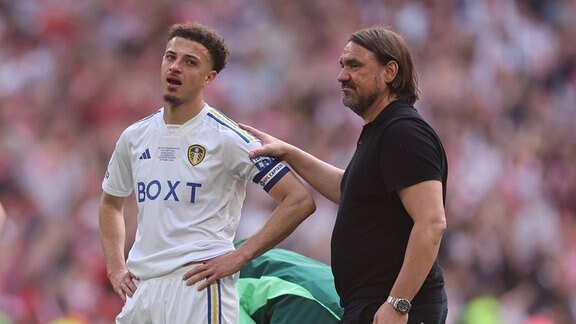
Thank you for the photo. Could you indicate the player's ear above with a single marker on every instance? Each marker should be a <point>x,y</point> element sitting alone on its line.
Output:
<point>210,77</point>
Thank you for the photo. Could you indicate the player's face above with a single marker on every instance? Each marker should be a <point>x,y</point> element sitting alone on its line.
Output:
<point>360,78</point>
<point>186,69</point>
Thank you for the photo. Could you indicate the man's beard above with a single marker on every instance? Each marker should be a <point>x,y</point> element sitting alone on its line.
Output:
<point>358,104</point>
<point>173,101</point>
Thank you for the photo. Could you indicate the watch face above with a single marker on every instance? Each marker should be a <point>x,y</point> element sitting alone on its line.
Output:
<point>403,306</point>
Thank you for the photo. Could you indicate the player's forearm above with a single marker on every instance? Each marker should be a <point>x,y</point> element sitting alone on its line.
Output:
<point>323,177</point>
<point>421,252</point>
<point>112,236</point>
<point>291,211</point>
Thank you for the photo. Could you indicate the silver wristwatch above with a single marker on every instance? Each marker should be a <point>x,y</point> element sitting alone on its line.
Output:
<point>401,305</point>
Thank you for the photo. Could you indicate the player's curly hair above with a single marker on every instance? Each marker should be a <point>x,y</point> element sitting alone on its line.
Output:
<point>388,45</point>
<point>206,36</point>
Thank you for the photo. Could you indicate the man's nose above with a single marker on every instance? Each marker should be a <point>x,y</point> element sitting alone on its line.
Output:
<point>343,76</point>
<point>174,67</point>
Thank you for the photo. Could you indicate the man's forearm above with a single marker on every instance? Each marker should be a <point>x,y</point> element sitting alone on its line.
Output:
<point>421,252</point>
<point>323,177</point>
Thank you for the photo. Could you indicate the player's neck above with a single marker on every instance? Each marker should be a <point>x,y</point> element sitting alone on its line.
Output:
<point>180,114</point>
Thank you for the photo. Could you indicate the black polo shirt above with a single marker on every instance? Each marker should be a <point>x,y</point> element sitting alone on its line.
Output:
<point>396,150</point>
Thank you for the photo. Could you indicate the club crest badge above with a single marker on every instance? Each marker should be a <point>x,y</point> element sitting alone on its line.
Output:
<point>196,154</point>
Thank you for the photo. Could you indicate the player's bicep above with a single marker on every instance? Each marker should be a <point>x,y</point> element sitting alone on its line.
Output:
<point>269,171</point>
<point>111,203</point>
<point>266,171</point>
<point>288,184</point>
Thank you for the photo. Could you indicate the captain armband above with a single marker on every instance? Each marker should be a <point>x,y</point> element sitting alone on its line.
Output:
<point>272,171</point>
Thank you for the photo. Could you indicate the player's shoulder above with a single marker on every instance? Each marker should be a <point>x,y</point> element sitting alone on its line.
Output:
<point>144,122</point>
<point>227,127</point>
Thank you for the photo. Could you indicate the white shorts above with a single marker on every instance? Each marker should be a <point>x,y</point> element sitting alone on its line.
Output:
<point>168,300</point>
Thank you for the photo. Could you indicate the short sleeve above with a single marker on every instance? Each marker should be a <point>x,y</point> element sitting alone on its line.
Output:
<point>118,180</point>
<point>409,155</point>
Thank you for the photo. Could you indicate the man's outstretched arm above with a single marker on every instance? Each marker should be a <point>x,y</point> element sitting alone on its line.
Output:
<point>323,177</point>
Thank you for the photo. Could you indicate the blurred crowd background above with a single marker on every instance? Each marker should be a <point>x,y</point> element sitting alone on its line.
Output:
<point>497,80</point>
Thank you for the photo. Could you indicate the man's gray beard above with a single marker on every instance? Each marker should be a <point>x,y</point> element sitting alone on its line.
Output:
<point>359,105</point>
<point>172,100</point>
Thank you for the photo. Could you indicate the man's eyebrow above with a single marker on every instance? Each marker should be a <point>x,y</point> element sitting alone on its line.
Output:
<point>191,56</point>
<point>347,61</point>
<point>187,56</point>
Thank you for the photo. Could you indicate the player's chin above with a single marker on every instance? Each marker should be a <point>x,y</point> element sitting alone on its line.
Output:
<point>172,99</point>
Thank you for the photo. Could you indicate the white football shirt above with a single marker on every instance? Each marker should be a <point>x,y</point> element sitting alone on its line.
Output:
<point>189,187</point>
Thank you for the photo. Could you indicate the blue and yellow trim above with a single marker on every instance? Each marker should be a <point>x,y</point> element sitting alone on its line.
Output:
<point>230,124</point>
<point>214,294</point>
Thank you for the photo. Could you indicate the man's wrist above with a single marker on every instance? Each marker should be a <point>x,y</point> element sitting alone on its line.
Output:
<point>401,305</point>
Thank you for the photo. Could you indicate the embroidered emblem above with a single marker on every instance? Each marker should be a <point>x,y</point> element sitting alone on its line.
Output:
<point>196,154</point>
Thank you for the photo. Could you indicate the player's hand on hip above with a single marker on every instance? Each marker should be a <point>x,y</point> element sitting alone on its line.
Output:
<point>270,144</point>
<point>213,269</point>
<point>123,284</point>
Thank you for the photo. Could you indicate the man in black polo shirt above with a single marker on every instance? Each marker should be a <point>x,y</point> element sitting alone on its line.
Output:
<point>391,196</point>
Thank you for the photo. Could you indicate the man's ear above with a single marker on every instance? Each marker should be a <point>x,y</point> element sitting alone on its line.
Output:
<point>391,70</point>
<point>210,77</point>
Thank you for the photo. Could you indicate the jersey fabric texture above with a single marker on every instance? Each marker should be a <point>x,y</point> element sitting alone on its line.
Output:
<point>284,287</point>
<point>396,150</point>
<point>189,187</point>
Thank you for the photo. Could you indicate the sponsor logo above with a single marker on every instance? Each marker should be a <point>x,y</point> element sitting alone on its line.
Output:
<point>145,155</point>
<point>271,174</point>
<point>261,162</point>
<point>166,190</point>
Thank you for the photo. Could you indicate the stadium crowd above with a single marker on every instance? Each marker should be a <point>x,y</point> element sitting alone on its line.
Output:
<point>498,82</point>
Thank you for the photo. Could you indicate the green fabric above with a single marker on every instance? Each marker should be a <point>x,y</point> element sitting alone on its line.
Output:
<point>282,286</point>
<point>290,309</point>
<point>257,294</point>
<point>245,317</point>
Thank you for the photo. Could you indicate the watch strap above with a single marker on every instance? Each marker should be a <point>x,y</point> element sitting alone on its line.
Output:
<point>394,301</point>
